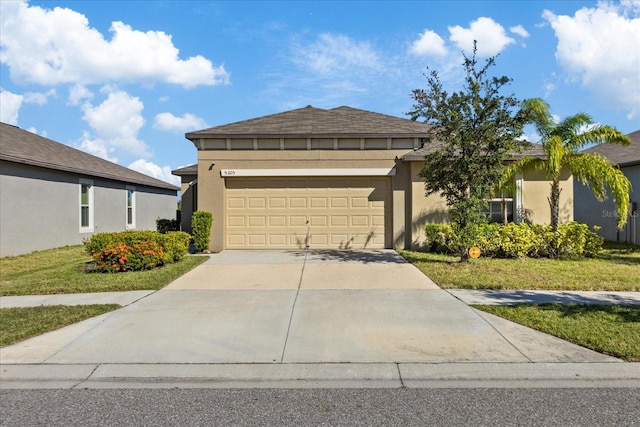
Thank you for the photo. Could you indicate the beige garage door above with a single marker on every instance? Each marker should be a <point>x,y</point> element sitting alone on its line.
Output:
<point>337,213</point>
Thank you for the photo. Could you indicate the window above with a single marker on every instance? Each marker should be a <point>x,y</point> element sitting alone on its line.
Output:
<point>131,207</point>
<point>500,206</point>
<point>86,206</point>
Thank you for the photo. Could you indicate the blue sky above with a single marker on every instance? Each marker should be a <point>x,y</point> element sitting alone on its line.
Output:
<point>125,80</point>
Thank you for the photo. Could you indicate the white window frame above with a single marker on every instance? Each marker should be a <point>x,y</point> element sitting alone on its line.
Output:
<point>132,224</point>
<point>89,228</point>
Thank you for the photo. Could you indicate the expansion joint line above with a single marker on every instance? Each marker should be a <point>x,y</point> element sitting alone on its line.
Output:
<point>293,306</point>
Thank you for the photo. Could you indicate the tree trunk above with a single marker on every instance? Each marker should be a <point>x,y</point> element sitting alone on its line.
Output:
<point>554,203</point>
<point>505,213</point>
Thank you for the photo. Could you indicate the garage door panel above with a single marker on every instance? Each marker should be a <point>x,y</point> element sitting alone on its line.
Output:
<point>236,221</point>
<point>298,202</point>
<point>359,221</point>
<point>339,221</point>
<point>257,221</point>
<point>359,202</point>
<point>294,212</point>
<point>277,221</point>
<point>277,239</point>
<point>235,203</point>
<point>258,240</point>
<point>297,221</point>
<point>277,202</point>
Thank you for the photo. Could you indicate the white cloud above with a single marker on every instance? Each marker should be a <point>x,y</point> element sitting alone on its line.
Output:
<point>429,43</point>
<point>490,35</point>
<point>55,46</point>
<point>78,93</point>
<point>188,122</point>
<point>334,53</point>
<point>97,146</point>
<point>38,97</point>
<point>599,47</point>
<point>162,173</point>
<point>519,30</point>
<point>116,123</point>
<point>10,104</point>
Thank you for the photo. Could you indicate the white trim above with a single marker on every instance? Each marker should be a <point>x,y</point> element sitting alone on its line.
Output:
<point>132,225</point>
<point>90,228</point>
<point>518,208</point>
<point>231,173</point>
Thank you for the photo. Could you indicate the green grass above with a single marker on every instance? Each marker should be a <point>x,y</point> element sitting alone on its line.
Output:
<point>617,268</point>
<point>17,324</point>
<point>608,329</point>
<point>65,270</point>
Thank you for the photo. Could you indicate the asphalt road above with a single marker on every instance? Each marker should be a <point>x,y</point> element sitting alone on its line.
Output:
<point>321,407</point>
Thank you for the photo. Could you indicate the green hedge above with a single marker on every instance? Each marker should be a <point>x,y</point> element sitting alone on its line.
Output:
<point>519,240</point>
<point>201,229</point>
<point>136,250</point>
<point>164,225</point>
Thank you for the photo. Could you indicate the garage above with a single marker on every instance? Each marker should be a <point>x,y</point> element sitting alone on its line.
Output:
<point>298,212</point>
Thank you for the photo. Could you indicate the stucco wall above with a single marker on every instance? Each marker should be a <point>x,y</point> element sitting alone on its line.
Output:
<point>535,197</point>
<point>39,208</point>
<point>603,214</point>
<point>211,186</point>
<point>535,189</point>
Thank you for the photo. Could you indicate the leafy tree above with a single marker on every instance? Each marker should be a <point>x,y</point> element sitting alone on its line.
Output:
<point>473,131</point>
<point>562,143</point>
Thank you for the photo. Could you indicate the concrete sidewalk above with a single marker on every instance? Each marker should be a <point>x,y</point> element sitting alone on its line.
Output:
<point>120,298</point>
<point>511,297</point>
<point>303,319</point>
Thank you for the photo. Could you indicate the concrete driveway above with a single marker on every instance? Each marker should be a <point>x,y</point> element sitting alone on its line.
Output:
<point>297,307</point>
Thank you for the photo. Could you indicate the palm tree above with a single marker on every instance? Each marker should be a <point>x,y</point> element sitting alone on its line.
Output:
<point>562,143</point>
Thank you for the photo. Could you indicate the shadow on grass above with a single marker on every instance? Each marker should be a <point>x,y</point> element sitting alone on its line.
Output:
<point>626,314</point>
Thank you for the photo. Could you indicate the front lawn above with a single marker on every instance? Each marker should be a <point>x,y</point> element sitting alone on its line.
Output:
<point>616,268</point>
<point>608,329</point>
<point>17,324</point>
<point>65,270</point>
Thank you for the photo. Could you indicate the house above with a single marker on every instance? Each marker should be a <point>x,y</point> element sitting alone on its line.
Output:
<point>337,178</point>
<point>603,214</point>
<point>52,195</point>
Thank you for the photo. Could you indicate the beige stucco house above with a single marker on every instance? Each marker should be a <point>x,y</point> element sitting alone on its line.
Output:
<point>603,214</point>
<point>339,178</point>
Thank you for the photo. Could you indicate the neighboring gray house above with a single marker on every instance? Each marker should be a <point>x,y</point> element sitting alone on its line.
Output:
<point>589,210</point>
<point>52,195</point>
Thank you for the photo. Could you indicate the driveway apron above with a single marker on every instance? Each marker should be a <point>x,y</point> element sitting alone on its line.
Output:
<point>298,307</point>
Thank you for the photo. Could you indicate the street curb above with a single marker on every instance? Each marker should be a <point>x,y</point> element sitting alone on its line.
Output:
<point>322,375</point>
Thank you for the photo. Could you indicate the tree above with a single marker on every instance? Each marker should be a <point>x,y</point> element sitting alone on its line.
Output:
<point>472,132</point>
<point>562,143</point>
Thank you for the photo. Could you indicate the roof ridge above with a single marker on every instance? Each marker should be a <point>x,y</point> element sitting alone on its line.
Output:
<point>21,146</point>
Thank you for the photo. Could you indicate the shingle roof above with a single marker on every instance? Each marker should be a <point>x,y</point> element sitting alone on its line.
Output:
<point>619,154</point>
<point>535,150</point>
<point>310,122</point>
<point>19,146</point>
<point>186,171</point>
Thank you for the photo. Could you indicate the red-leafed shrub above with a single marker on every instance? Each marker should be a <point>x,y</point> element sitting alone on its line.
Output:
<point>136,250</point>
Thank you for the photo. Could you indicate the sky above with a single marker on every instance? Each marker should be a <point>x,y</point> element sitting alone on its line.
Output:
<point>125,80</point>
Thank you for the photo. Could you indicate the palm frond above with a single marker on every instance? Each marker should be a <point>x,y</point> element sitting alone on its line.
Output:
<point>554,149</point>
<point>597,135</point>
<point>600,175</point>
<point>537,112</point>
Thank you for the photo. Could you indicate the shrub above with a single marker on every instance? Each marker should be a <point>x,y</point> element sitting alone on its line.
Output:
<point>201,229</point>
<point>175,245</point>
<point>519,240</point>
<point>136,250</point>
<point>440,238</point>
<point>164,225</point>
